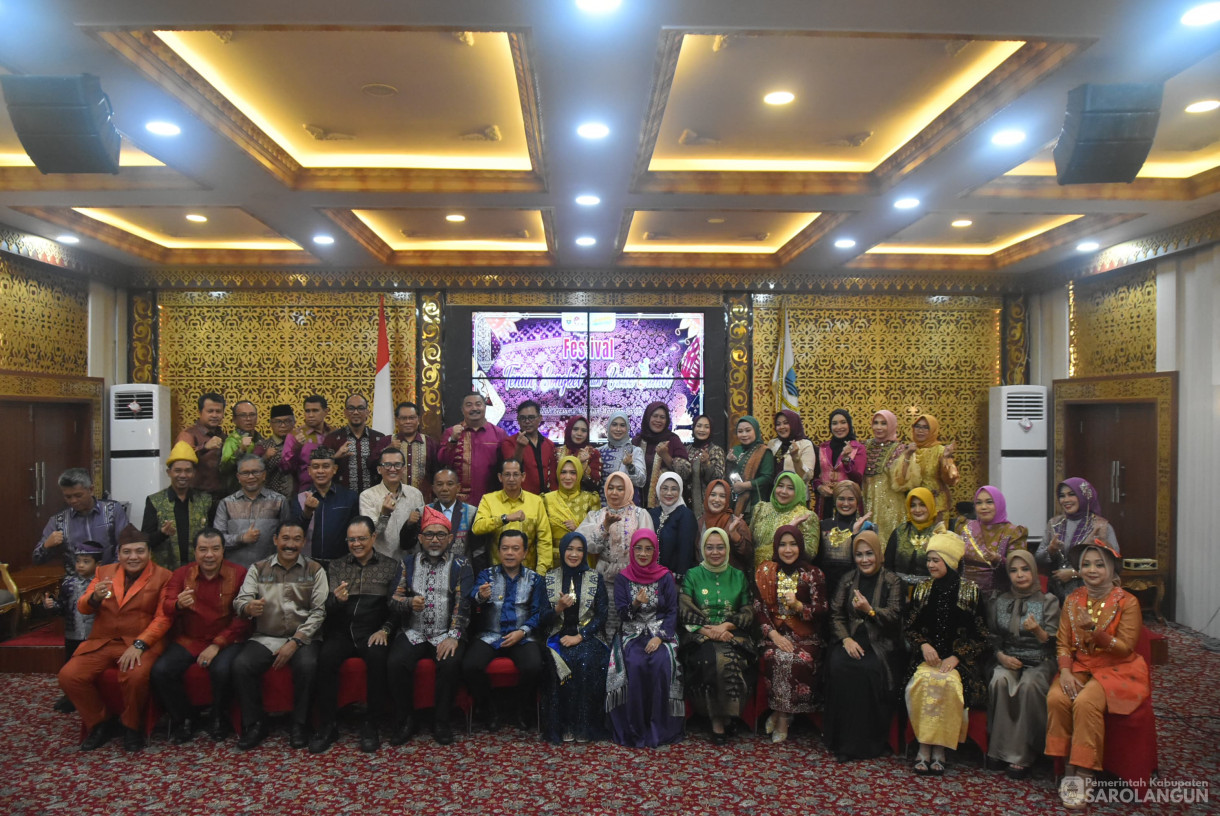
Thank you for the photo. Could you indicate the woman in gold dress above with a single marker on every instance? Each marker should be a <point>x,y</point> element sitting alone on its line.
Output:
<point>927,463</point>
<point>881,497</point>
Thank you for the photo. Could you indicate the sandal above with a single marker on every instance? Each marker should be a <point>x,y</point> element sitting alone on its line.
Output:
<point>921,767</point>
<point>937,768</point>
<point>770,726</point>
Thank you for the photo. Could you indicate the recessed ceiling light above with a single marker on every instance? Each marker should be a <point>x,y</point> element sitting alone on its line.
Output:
<point>1203,106</point>
<point>779,97</point>
<point>845,243</point>
<point>379,89</point>
<point>598,6</point>
<point>961,222</point>
<point>1205,14</point>
<point>197,218</point>
<point>906,203</point>
<point>586,241</point>
<point>323,240</point>
<point>715,219</point>
<point>593,130</point>
<point>67,239</point>
<point>588,200</point>
<point>455,218</point>
<point>163,128</point>
<point>1088,246</point>
<point>1008,138</point>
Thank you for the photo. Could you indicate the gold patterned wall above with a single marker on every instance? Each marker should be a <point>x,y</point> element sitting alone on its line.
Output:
<point>273,347</point>
<point>1113,324</point>
<point>909,354</point>
<point>44,320</point>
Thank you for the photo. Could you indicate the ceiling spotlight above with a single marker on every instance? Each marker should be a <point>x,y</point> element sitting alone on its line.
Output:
<point>598,6</point>
<point>67,239</point>
<point>163,128</point>
<point>455,218</point>
<point>1205,14</point>
<point>323,240</point>
<point>593,130</point>
<point>716,219</point>
<point>588,200</point>
<point>1088,246</point>
<point>845,243</point>
<point>961,222</point>
<point>779,98</point>
<point>1008,138</point>
<point>906,203</point>
<point>197,218</point>
<point>586,241</point>
<point>1203,106</point>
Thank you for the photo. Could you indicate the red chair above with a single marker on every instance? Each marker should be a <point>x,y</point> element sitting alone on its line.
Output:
<point>1130,751</point>
<point>895,735</point>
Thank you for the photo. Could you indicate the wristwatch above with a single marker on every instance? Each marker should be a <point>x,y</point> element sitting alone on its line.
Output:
<point>139,644</point>
<point>297,641</point>
<point>504,518</point>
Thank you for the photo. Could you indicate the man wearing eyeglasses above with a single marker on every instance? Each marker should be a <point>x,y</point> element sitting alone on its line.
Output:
<point>240,442</point>
<point>395,505</point>
<point>353,444</point>
<point>271,449</point>
<point>535,451</point>
<point>357,625</point>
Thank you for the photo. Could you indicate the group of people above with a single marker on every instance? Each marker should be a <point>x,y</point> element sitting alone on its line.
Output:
<point>627,579</point>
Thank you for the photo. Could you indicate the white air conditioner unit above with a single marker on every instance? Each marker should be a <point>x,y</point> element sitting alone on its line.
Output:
<point>1017,454</point>
<point>140,439</point>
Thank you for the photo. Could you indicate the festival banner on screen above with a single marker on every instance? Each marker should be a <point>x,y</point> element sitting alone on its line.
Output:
<point>589,364</point>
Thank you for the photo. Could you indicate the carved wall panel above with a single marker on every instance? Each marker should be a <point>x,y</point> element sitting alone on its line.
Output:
<point>273,347</point>
<point>1113,324</point>
<point>142,329</point>
<point>431,373</point>
<point>909,354</point>
<point>44,320</point>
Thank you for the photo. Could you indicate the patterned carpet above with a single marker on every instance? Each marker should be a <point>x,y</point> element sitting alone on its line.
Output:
<point>511,773</point>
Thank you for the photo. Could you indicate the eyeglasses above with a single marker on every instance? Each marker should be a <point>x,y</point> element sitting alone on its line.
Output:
<point>394,466</point>
<point>241,473</point>
<point>433,536</point>
<point>355,408</point>
<point>355,539</point>
<point>527,417</point>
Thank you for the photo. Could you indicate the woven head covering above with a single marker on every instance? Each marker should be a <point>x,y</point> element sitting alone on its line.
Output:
<point>182,452</point>
<point>433,516</point>
<point>949,546</point>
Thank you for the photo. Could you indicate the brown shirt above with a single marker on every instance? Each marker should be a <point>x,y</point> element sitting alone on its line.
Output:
<point>207,472</point>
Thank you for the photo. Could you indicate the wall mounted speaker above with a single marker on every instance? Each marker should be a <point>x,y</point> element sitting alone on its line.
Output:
<point>65,123</point>
<point>1107,133</point>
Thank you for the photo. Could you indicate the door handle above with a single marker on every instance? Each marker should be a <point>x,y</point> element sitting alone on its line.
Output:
<point>1114,481</point>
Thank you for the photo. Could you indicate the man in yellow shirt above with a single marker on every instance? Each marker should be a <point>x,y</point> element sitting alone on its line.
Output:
<point>512,508</point>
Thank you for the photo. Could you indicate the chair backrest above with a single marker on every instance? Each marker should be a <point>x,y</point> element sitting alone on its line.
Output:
<point>7,584</point>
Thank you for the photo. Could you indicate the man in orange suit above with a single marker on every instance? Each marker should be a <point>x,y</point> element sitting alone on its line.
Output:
<point>128,625</point>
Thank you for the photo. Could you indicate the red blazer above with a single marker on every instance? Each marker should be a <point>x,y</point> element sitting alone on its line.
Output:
<point>137,616</point>
<point>211,620</point>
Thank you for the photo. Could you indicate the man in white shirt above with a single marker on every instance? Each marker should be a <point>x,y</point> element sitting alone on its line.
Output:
<point>393,504</point>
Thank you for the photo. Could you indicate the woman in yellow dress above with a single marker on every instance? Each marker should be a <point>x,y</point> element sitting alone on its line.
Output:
<point>927,463</point>
<point>881,498</point>
<point>568,506</point>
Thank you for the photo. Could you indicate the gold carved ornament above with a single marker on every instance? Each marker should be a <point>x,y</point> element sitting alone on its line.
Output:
<point>740,316</point>
<point>44,320</point>
<point>142,346</point>
<point>431,307</point>
<point>1113,324</point>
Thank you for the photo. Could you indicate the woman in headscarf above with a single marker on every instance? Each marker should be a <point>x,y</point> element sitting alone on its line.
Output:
<point>644,683</point>
<point>567,505</point>
<point>840,458</point>
<point>881,497</point>
<point>906,552</point>
<point>675,525</point>
<point>1023,622</point>
<point>576,443</point>
<point>790,608</point>
<point>927,463</point>
<point>787,506</point>
<point>663,450</point>
<point>707,460</point>
<point>718,512</point>
<point>609,531</point>
<point>792,450</point>
<point>949,639</point>
<point>1079,523</point>
<point>717,647</point>
<point>1099,670</point>
<point>620,455</point>
<point>574,694</point>
<point>989,538</point>
<point>751,468</point>
<point>835,557</point>
<point>867,656</point>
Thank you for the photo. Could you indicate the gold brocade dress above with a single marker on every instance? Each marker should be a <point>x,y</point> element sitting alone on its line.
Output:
<point>929,468</point>
<point>882,497</point>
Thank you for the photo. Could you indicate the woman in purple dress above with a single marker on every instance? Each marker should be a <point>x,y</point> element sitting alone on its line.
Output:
<point>644,684</point>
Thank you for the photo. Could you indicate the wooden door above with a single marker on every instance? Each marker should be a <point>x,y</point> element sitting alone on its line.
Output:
<point>1113,445</point>
<point>63,438</point>
<point>18,486</point>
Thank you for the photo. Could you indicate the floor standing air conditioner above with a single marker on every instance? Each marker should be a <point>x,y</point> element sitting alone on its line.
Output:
<point>139,442</point>
<point>1017,454</point>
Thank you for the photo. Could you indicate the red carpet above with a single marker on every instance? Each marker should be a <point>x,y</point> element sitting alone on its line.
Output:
<point>49,635</point>
<point>513,773</point>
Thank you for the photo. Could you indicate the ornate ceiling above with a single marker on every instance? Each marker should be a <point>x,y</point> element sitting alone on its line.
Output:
<point>768,135</point>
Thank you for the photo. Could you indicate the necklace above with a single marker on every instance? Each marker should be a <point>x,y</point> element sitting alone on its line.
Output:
<point>1095,610</point>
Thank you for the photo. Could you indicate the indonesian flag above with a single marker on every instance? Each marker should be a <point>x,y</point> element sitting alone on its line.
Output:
<point>383,395</point>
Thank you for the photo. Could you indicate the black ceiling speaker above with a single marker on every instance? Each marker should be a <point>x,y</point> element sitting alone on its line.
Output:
<point>1107,133</point>
<point>65,123</point>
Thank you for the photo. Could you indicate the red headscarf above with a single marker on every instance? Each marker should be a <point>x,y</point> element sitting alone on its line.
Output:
<point>572,447</point>
<point>653,572</point>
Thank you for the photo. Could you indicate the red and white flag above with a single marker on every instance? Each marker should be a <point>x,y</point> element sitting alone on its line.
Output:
<point>383,395</point>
